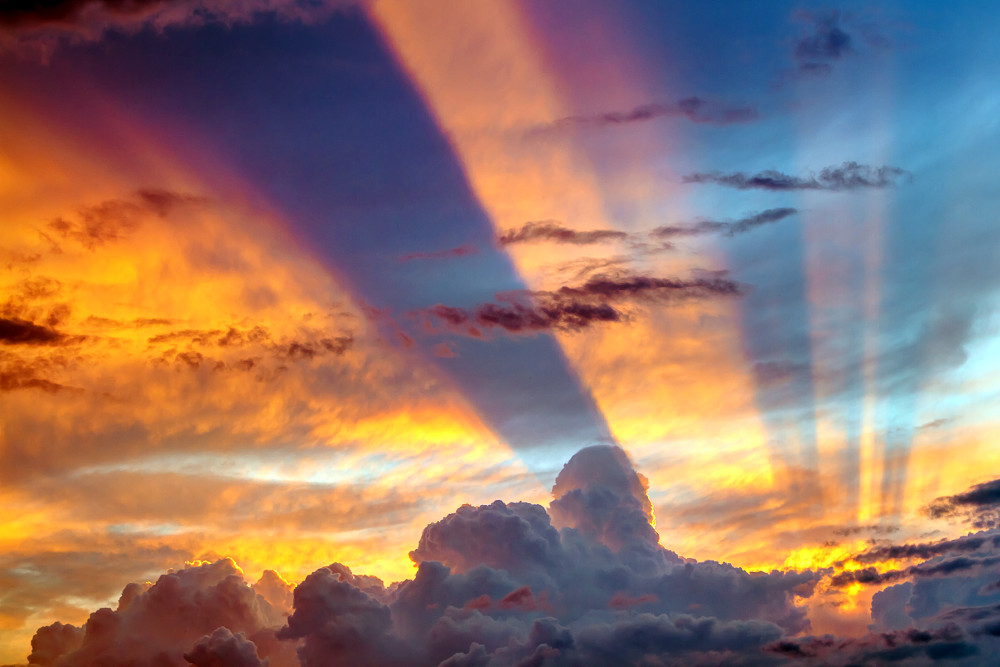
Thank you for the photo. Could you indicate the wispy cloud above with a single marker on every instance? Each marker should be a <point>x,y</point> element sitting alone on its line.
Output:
<point>572,308</point>
<point>448,253</point>
<point>555,232</point>
<point>695,109</point>
<point>726,228</point>
<point>847,176</point>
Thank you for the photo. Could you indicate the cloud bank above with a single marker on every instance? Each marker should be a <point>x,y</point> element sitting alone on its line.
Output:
<point>582,582</point>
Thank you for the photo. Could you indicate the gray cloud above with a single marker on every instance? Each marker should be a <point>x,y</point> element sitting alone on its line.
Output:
<point>728,228</point>
<point>695,109</point>
<point>847,176</point>
<point>572,308</point>
<point>554,232</point>
<point>826,42</point>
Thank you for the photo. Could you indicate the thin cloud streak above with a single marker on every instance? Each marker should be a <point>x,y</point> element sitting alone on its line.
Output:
<point>573,308</point>
<point>694,109</point>
<point>845,177</point>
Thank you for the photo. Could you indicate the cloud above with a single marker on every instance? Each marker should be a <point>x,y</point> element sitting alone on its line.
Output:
<point>554,232</point>
<point>222,648</point>
<point>826,42</point>
<point>732,228</point>
<point>925,550</point>
<point>847,176</point>
<point>115,219</point>
<point>52,641</point>
<point>979,506</point>
<point>937,568</point>
<point>21,332</point>
<point>912,646</point>
<point>695,109</point>
<point>199,344</point>
<point>340,623</point>
<point>204,610</point>
<point>459,251</point>
<point>14,376</point>
<point>584,581</point>
<point>572,308</point>
<point>37,27</point>
<point>496,584</point>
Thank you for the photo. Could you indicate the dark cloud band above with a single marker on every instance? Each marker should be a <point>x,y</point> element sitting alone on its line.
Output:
<point>847,176</point>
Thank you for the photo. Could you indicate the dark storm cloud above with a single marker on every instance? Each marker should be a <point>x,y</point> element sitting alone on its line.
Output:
<point>730,228</point>
<point>554,232</point>
<point>180,613</point>
<point>695,109</point>
<point>22,332</point>
<point>847,176</point>
<point>572,308</point>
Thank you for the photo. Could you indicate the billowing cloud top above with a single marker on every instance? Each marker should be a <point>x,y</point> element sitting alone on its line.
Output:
<point>582,583</point>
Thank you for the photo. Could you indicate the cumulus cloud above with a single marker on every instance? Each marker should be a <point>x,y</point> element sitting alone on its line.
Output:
<point>222,648</point>
<point>572,308</point>
<point>847,176</point>
<point>582,582</point>
<point>205,611</point>
<point>497,584</point>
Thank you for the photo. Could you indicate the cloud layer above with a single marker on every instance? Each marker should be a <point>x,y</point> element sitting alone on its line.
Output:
<point>582,582</point>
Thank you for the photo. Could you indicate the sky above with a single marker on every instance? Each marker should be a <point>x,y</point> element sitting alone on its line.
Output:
<point>495,333</point>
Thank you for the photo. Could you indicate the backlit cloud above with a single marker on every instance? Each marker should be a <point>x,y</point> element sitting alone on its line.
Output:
<point>571,308</point>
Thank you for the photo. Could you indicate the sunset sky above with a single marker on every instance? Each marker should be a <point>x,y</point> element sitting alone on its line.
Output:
<point>286,283</point>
